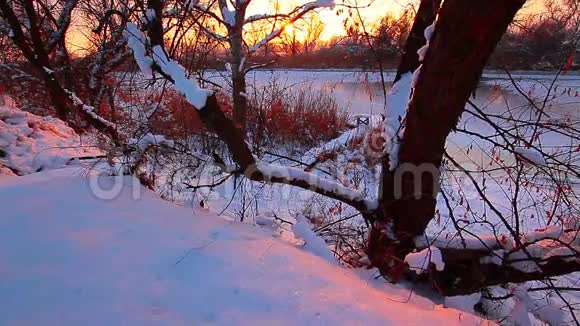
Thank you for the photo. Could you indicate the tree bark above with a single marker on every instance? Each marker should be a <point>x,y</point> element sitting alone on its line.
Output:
<point>466,33</point>
<point>238,71</point>
<point>465,273</point>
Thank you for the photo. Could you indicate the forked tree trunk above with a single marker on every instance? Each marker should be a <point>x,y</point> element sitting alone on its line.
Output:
<point>466,33</point>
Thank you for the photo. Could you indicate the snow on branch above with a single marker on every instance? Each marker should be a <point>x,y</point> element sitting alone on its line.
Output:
<point>420,261</point>
<point>530,156</point>
<point>536,249</point>
<point>229,16</point>
<point>150,139</point>
<point>399,99</point>
<point>89,110</point>
<point>194,94</point>
<point>297,12</point>
<point>397,104</point>
<point>196,6</point>
<point>212,116</point>
<point>137,41</point>
<point>291,175</point>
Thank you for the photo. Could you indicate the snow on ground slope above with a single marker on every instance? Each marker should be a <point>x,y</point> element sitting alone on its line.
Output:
<point>69,258</point>
<point>30,143</point>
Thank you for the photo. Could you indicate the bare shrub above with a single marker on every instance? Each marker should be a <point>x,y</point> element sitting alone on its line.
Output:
<point>300,118</point>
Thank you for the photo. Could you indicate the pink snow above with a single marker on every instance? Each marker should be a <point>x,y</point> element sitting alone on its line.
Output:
<point>29,143</point>
<point>68,258</point>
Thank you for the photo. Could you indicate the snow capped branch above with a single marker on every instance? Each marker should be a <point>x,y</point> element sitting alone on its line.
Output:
<point>428,34</point>
<point>195,95</point>
<point>397,104</point>
<point>149,15</point>
<point>137,41</point>
<point>420,261</point>
<point>194,5</point>
<point>89,110</point>
<point>212,115</point>
<point>229,16</point>
<point>290,175</point>
<point>538,248</point>
<point>150,139</point>
<point>274,34</point>
<point>213,34</point>
<point>530,156</point>
<point>255,18</point>
<point>400,96</point>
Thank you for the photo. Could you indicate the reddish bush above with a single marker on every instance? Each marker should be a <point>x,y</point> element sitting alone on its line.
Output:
<point>175,117</point>
<point>302,117</point>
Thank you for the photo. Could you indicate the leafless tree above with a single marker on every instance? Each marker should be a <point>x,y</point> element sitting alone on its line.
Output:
<point>465,35</point>
<point>38,29</point>
<point>230,23</point>
<point>303,36</point>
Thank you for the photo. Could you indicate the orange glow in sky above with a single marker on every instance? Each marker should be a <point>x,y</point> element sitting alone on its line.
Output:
<point>371,11</point>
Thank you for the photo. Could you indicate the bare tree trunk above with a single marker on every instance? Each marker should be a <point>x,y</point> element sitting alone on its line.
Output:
<point>60,100</point>
<point>465,35</point>
<point>238,72</point>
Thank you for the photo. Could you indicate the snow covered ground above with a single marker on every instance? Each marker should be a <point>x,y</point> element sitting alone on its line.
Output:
<point>30,143</point>
<point>68,255</point>
<point>69,258</point>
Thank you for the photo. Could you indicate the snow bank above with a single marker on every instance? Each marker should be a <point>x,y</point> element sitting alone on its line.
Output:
<point>29,143</point>
<point>463,302</point>
<point>68,258</point>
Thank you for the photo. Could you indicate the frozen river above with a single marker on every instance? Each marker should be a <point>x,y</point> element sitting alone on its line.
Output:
<point>502,99</point>
<point>362,92</point>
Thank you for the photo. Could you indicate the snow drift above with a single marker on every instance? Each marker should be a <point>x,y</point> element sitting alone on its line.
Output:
<point>30,143</point>
<point>68,258</point>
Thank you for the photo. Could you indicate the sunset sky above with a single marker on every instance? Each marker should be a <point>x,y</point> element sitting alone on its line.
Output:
<point>371,12</point>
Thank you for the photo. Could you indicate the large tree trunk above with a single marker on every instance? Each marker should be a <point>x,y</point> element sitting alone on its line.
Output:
<point>466,33</point>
